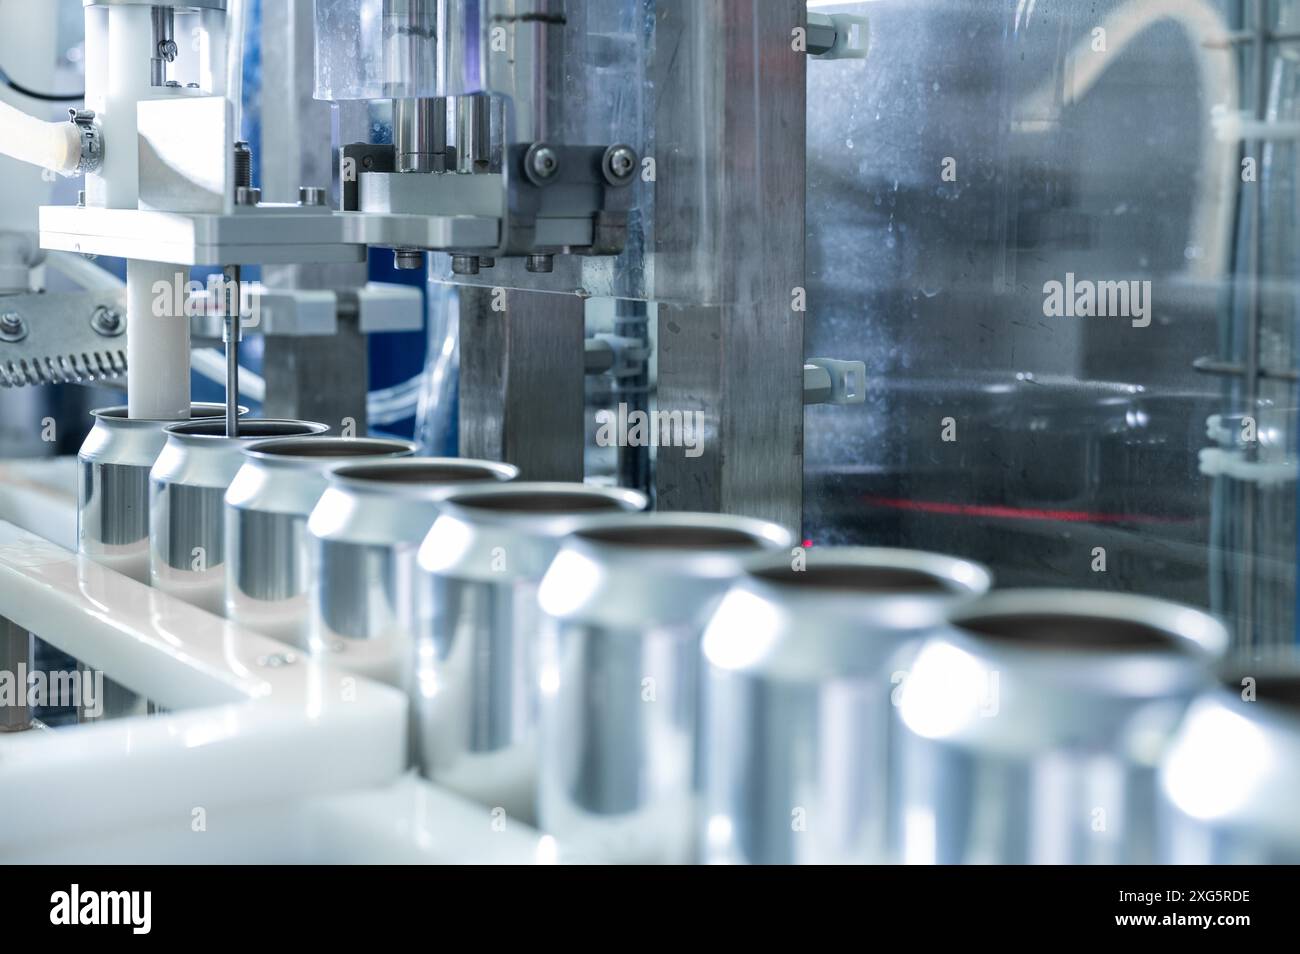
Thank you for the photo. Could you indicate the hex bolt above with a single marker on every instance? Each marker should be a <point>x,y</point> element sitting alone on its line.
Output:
<point>246,195</point>
<point>311,196</point>
<point>619,164</point>
<point>12,327</point>
<point>539,263</point>
<point>107,321</point>
<point>464,264</point>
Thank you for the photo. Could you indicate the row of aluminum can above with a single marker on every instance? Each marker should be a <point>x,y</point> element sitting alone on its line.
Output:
<point>693,687</point>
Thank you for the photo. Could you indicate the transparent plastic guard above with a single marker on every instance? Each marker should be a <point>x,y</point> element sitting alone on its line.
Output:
<point>388,49</point>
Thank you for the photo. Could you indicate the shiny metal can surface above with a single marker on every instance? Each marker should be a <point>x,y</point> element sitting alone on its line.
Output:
<point>364,535</point>
<point>113,486</point>
<point>801,661</point>
<point>268,569</point>
<point>473,687</point>
<point>1032,726</point>
<point>1230,780</point>
<point>619,678</point>
<point>187,489</point>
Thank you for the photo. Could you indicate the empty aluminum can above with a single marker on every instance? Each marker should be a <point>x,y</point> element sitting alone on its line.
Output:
<point>1229,781</point>
<point>365,535</point>
<point>113,486</point>
<point>474,672</point>
<point>801,660</point>
<point>187,489</point>
<point>1030,729</point>
<point>619,676</point>
<point>268,569</point>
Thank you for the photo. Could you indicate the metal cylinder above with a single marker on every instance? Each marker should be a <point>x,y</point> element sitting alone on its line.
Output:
<point>473,675</point>
<point>1229,780</point>
<point>268,573</point>
<point>799,662</point>
<point>113,487</point>
<point>364,535</point>
<point>420,135</point>
<point>16,658</point>
<point>1030,729</point>
<point>474,125</point>
<point>619,678</point>
<point>187,488</point>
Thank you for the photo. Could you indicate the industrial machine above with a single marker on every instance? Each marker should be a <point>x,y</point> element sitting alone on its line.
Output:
<point>876,305</point>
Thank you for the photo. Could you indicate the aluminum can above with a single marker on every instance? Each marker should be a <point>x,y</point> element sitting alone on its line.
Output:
<point>1228,781</point>
<point>113,486</point>
<point>619,677</point>
<point>187,489</point>
<point>364,535</point>
<point>473,686</point>
<point>268,568</point>
<point>801,664</point>
<point>1031,728</point>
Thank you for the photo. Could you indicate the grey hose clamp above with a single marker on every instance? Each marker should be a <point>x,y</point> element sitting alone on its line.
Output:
<point>92,141</point>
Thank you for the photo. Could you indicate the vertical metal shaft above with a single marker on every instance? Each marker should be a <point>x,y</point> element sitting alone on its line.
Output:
<point>631,321</point>
<point>1246,562</point>
<point>16,660</point>
<point>231,335</point>
<point>164,44</point>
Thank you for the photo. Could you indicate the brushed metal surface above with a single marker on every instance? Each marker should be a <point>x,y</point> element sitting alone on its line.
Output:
<point>521,381</point>
<point>729,237</point>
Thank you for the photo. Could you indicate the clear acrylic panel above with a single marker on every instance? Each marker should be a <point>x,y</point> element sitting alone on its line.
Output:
<point>1033,219</point>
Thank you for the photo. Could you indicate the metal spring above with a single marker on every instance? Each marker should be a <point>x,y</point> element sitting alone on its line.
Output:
<point>64,369</point>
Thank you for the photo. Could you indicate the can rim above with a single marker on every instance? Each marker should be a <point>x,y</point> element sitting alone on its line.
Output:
<point>398,476</point>
<point>1167,629</point>
<point>117,415</point>
<point>706,535</point>
<point>831,572</point>
<point>489,504</point>
<point>297,452</point>
<point>185,432</point>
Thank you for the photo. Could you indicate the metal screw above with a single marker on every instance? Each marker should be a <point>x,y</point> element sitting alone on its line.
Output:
<point>619,164</point>
<point>243,165</point>
<point>408,259</point>
<point>192,86</point>
<point>245,195</point>
<point>541,163</point>
<point>107,321</point>
<point>311,195</point>
<point>539,263</point>
<point>173,84</point>
<point>12,327</point>
<point>464,264</point>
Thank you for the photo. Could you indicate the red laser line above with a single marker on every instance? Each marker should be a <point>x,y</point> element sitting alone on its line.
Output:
<point>997,512</point>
